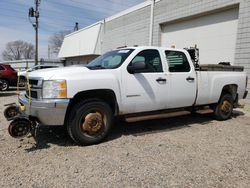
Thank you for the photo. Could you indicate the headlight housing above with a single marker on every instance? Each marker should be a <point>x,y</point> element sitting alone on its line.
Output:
<point>54,89</point>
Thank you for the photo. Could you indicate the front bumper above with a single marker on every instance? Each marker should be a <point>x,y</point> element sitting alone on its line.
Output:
<point>47,112</point>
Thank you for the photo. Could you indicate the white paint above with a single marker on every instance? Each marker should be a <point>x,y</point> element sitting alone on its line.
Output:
<point>82,42</point>
<point>214,34</point>
<point>141,92</point>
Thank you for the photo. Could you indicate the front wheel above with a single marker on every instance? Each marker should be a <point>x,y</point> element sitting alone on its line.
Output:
<point>22,81</point>
<point>90,122</point>
<point>224,108</point>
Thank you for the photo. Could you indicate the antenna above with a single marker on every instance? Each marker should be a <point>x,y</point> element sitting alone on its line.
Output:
<point>76,28</point>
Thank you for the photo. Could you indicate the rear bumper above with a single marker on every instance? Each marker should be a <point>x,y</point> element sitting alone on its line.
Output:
<point>47,112</point>
<point>245,94</point>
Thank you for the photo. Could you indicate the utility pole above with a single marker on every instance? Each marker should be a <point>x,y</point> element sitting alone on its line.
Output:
<point>36,28</point>
<point>48,52</point>
<point>35,14</point>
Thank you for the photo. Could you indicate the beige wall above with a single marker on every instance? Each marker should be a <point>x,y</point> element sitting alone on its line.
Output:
<point>79,60</point>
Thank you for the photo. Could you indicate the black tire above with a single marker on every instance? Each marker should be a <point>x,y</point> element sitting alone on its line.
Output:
<point>89,122</point>
<point>22,81</point>
<point>224,108</point>
<point>4,85</point>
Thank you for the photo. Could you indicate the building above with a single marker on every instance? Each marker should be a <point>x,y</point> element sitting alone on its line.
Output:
<point>220,28</point>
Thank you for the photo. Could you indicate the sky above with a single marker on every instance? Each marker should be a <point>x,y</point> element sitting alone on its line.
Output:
<point>55,16</point>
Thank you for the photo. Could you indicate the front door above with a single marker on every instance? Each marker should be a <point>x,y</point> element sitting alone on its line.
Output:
<point>145,90</point>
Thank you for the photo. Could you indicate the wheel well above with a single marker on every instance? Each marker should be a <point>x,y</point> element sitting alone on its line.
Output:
<point>230,89</point>
<point>22,77</point>
<point>105,95</point>
<point>3,78</point>
<point>6,79</point>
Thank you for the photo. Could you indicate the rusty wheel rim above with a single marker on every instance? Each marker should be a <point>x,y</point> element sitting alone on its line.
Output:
<point>226,107</point>
<point>93,124</point>
<point>12,112</point>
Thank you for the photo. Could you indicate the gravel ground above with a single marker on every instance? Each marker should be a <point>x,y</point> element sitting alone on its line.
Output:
<point>190,151</point>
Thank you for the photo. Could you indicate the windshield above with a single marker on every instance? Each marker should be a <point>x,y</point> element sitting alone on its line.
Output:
<point>110,60</point>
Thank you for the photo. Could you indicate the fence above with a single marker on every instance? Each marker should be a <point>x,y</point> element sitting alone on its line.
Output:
<point>26,63</point>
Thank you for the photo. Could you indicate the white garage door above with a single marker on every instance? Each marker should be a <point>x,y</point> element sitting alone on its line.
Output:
<point>214,34</point>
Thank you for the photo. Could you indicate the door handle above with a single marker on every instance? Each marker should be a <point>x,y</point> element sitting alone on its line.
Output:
<point>190,78</point>
<point>161,80</point>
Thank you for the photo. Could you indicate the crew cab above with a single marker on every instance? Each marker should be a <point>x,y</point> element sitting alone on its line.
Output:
<point>129,82</point>
<point>8,77</point>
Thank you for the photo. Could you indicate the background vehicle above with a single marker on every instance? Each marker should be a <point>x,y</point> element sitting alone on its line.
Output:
<point>8,77</point>
<point>22,74</point>
<point>136,83</point>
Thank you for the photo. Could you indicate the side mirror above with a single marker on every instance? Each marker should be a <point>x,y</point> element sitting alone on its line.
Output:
<point>136,67</point>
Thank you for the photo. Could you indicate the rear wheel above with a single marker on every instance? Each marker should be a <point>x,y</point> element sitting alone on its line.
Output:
<point>90,122</point>
<point>4,85</point>
<point>223,110</point>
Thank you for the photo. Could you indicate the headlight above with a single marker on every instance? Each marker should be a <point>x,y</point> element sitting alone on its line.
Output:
<point>54,89</point>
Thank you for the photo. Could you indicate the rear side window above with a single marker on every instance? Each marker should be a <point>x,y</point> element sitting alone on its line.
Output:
<point>1,68</point>
<point>177,61</point>
<point>11,68</point>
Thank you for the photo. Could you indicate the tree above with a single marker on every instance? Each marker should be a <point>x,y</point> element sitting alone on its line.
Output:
<point>17,50</point>
<point>56,41</point>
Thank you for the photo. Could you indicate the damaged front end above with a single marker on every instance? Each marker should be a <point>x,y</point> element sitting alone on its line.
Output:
<point>21,125</point>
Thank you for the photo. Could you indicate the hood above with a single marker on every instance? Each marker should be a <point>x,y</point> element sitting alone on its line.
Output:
<point>58,73</point>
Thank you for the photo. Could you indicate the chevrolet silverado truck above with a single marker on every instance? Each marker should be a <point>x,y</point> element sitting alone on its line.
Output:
<point>129,82</point>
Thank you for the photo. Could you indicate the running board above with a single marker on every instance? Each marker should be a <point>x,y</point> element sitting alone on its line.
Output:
<point>204,111</point>
<point>156,116</point>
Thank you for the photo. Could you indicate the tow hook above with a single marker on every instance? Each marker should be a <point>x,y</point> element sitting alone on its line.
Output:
<point>20,125</point>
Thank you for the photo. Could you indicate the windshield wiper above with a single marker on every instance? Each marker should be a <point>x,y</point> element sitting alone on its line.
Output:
<point>96,67</point>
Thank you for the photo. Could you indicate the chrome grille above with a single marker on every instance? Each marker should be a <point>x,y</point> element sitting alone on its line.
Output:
<point>35,88</point>
<point>33,82</point>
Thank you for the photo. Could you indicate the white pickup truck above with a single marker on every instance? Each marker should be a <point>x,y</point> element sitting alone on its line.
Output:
<point>128,82</point>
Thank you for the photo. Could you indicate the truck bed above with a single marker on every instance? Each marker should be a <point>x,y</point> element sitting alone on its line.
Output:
<point>218,67</point>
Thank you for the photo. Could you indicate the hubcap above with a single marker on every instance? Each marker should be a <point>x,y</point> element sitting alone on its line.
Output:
<point>3,85</point>
<point>93,123</point>
<point>225,107</point>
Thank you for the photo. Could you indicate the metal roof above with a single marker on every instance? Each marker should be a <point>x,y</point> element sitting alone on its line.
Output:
<point>82,42</point>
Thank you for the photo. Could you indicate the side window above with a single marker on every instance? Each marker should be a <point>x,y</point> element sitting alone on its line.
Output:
<point>177,61</point>
<point>152,60</point>
<point>1,68</point>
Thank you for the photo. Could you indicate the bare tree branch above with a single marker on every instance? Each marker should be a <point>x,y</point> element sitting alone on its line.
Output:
<point>56,41</point>
<point>17,50</point>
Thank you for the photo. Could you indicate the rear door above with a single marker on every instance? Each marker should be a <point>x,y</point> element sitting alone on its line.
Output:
<point>182,80</point>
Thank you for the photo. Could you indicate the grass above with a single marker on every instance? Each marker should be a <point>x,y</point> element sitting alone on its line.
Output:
<point>247,107</point>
